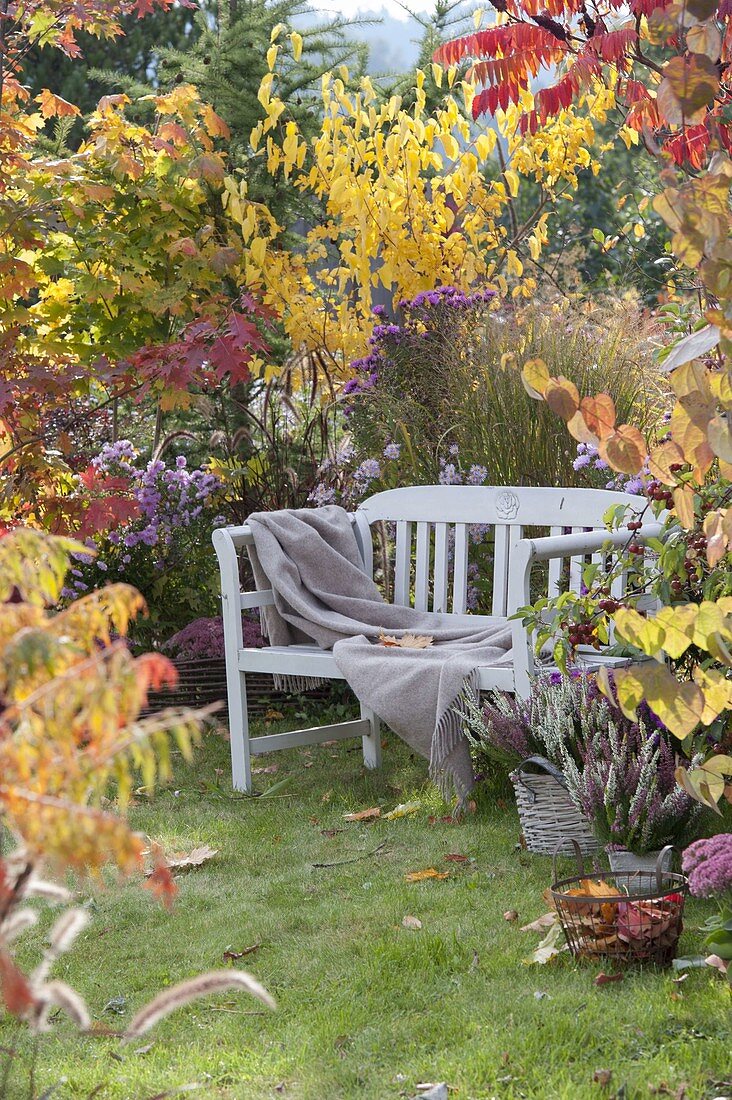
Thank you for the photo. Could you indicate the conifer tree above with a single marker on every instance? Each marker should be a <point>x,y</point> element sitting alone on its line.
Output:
<point>229,60</point>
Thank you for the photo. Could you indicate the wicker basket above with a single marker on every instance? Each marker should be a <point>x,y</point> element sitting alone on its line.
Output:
<point>549,818</point>
<point>642,925</point>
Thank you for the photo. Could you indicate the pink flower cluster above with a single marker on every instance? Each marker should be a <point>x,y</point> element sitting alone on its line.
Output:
<point>708,863</point>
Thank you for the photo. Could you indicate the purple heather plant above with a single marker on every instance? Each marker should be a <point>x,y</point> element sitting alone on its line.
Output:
<point>620,773</point>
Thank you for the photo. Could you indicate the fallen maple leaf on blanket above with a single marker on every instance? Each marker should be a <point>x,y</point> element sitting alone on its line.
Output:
<point>407,641</point>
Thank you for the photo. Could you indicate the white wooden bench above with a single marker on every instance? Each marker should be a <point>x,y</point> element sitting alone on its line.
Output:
<point>430,573</point>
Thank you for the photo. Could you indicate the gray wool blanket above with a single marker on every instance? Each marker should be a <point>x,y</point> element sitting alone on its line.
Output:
<point>310,560</point>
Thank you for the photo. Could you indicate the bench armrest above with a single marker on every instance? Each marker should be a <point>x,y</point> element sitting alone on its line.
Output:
<point>528,551</point>
<point>586,542</point>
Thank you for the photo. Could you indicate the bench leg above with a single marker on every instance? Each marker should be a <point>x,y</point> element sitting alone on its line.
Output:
<point>241,767</point>
<point>372,741</point>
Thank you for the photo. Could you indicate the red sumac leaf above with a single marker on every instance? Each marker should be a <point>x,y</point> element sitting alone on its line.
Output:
<point>16,990</point>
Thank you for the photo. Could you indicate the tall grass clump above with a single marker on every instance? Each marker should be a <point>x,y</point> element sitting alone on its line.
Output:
<point>448,371</point>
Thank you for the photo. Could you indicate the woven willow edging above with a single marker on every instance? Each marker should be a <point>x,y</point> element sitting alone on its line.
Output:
<point>548,816</point>
<point>204,681</point>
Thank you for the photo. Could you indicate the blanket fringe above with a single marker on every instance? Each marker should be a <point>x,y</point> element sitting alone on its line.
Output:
<point>448,734</point>
<point>295,685</point>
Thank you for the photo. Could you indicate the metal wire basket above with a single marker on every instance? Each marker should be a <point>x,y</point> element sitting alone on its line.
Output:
<point>550,821</point>
<point>629,916</point>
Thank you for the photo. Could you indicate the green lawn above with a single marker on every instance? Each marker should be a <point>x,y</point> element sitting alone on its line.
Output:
<point>367,1008</point>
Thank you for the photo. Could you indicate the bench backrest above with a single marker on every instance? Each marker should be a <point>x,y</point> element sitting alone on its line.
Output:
<point>433,534</point>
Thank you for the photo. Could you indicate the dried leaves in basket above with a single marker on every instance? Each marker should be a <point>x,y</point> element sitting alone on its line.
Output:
<point>629,927</point>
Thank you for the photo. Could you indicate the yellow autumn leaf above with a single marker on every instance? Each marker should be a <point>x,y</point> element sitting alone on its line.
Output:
<point>258,250</point>
<point>535,377</point>
<point>296,41</point>
<point>645,634</point>
<point>512,180</point>
<point>430,872</point>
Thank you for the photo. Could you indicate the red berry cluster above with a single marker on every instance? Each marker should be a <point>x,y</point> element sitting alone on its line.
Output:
<point>582,634</point>
<point>656,491</point>
<point>609,605</point>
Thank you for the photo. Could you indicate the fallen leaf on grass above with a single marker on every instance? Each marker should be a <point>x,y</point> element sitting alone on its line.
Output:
<point>454,857</point>
<point>420,876</point>
<point>510,915</point>
<point>718,963</point>
<point>230,955</point>
<point>432,1091</point>
<point>606,979</point>
<point>271,769</point>
<point>402,810</point>
<point>549,947</point>
<point>546,920</point>
<point>413,923</point>
<point>407,641</point>
<point>330,833</point>
<point>602,1077</point>
<point>664,1089</point>
<point>187,860</point>
<point>447,819</point>
<point>364,815</point>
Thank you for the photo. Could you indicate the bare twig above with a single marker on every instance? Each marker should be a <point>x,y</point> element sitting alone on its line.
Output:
<point>355,859</point>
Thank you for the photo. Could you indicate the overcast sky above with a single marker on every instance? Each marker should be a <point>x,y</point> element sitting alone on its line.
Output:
<point>351,7</point>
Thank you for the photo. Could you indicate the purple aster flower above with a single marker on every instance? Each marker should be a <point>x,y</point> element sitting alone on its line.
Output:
<point>367,471</point>
<point>392,450</point>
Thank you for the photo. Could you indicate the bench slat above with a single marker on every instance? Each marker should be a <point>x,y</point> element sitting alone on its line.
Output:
<point>422,568</point>
<point>460,570</point>
<point>500,570</point>
<point>403,564</point>
<point>439,598</point>
<point>263,598</point>
<point>270,742</point>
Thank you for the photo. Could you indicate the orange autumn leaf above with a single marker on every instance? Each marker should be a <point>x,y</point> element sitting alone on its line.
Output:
<point>364,815</point>
<point>54,106</point>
